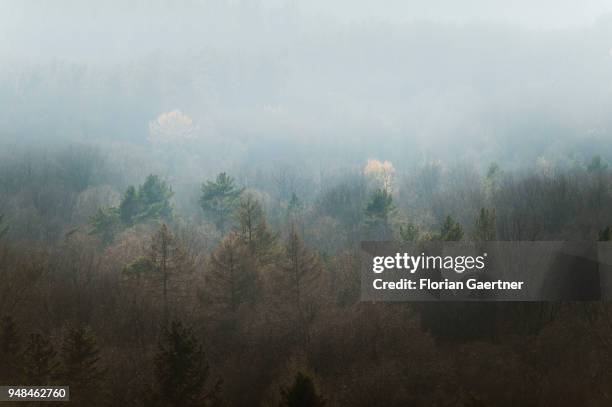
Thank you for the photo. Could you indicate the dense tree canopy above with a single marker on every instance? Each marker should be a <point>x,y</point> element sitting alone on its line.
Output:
<point>219,198</point>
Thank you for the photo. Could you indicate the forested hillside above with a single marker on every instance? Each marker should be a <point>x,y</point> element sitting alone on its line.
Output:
<point>135,295</point>
<point>185,187</point>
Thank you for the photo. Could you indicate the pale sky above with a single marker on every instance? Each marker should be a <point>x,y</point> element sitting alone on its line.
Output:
<point>531,13</point>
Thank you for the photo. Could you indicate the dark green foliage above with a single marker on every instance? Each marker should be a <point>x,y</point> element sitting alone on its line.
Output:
<point>219,199</point>
<point>130,206</point>
<point>484,227</point>
<point>10,347</point>
<point>181,370</point>
<point>605,235</point>
<point>154,199</point>
<point>409,232</point>
<point>150,201</point>
<point>40,364</point>
<point>106,224</point>
<point>301,393</point>
<point>450,231</point>
<point>380,205</point>
<point>80,363</point>
<point>378,211</point>
<point>596,165</point>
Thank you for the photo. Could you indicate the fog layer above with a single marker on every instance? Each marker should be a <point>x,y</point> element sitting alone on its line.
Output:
<point>339,81</point>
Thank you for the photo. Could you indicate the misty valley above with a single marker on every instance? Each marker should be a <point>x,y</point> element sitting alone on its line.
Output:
<point>185,188</point>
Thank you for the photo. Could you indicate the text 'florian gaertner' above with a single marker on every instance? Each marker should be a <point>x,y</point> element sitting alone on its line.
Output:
<point>458,264</point>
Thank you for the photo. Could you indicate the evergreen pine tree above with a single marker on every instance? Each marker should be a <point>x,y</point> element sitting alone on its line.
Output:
<point>605,235</point>
<point>492,181</point>
<point>451,231</point>
<point>484,227</point>
<point>150,201</point>
<point>40,364</point>
<point>105,223</point>
<point>129,207</point>
<point>181,370</point>
<point>378,212</point>
<point>80,365</point>
<point>219,198</point>
<point>409,233</point>
<point>154,199</point>
<point>301,393</point>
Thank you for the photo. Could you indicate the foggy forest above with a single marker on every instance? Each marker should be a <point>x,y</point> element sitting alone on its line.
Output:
<point>184,188</point>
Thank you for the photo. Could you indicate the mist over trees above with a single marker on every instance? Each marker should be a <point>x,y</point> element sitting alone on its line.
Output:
<point>184,188</point>
<point>242,85</point>
<point>278,285</point>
